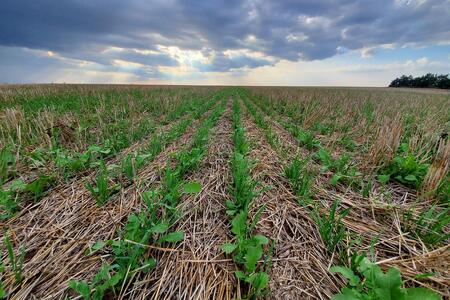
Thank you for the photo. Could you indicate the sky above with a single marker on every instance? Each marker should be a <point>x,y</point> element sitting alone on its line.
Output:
<point>229,42</point>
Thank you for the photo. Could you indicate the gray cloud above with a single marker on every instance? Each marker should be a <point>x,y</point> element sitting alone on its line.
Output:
<point>290,29</point>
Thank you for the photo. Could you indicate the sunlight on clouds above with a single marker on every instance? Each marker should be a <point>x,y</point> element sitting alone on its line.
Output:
<point>232,53</point>
<point>185,57</point>
<point>127,64</point>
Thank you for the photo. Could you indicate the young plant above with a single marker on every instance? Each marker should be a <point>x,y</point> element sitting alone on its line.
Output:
<point>7,162</point>
<point>248,249</point>
<point>8,204</point>
<point>70,164</point>
<point>243,187</point>
<point>143,228</point>
<point>430,225</point>
<point>306,138</point>
<point>341,168</point>
<point>131,164</point>
<point>101,190</point>
<point>366,281</point>
<point>300,178</point>
<point>331,229</point>
<point>38,186</point>
<point>407,170</point>
<point>15,262</point>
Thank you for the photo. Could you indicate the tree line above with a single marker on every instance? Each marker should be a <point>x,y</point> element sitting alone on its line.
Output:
<point>426,81</point>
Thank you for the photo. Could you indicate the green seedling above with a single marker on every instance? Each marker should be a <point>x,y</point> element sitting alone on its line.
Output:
<point>430,225</point>
<point>331,228</point>
<point>366,281</point>
<point>40,185</point>
<point>405,169</point>
<point>341,168</point>
<point>300,178</point>
<point>16,262</point>
<point>7,162</point>
<point>248,249</point>
<point>101,190</point>
<point>8,204</point>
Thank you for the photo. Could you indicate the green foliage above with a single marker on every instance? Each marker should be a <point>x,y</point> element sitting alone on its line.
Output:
<point>271,136</point>
<point>243,185</point>
<point>443,190</point>
<point>8,204</point>
<point>69,164</point>
<point>102,189</point>
<point>132,163</point>
<point>426,81</point>
<point>248,249</point>
<point>141,229</point>
<point>305,138</point>
<point>16,262</point>
<point>2,270</point>
<point>366,187</point>
<point>331,229</point>
<point>2,290</point>
<point>324,128</point>
<point>406,169</point>
<point>348,143</point>
<point>7,162</point>
<point>366,281</point>
<point>38,186</point>
<point>81,287</point>
<point>301,179</point>
<point>19,190</point>
<point>192,187</point>
<point>341,167</point>
<point>430,225</point>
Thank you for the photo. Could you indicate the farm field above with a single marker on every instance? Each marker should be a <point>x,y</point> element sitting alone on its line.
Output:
<point>205,192</point>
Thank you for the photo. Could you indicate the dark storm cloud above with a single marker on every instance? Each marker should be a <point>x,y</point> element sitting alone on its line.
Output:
<point>291,29</point>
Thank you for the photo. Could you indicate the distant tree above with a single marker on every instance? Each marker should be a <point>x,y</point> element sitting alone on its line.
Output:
<point>427,81</point>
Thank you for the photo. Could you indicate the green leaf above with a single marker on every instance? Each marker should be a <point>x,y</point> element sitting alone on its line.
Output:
<point>228,248</point>
<point>262,240</point>
<point>258,281</point>
<point>335,179</point>
<point>240,275</point>
<point>388,286</point>
<point>2,291</point>
<point>411,178</point>
<point>98,245</point>
<point>239,224</point>
<point>347,273</point>
<point>148,265</point>
<point>384,178</point>
<point>425,275</point>
<point>192,187</point>
<point>159,228</point>
<point>81,287</point>
<point>230,204</point>
<point>253,254</point>
<point>172,237</point>
<point>348,294</point>
<point>421,294</point>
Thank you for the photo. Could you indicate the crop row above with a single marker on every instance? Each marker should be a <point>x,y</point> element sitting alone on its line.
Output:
<point>248,248</point>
